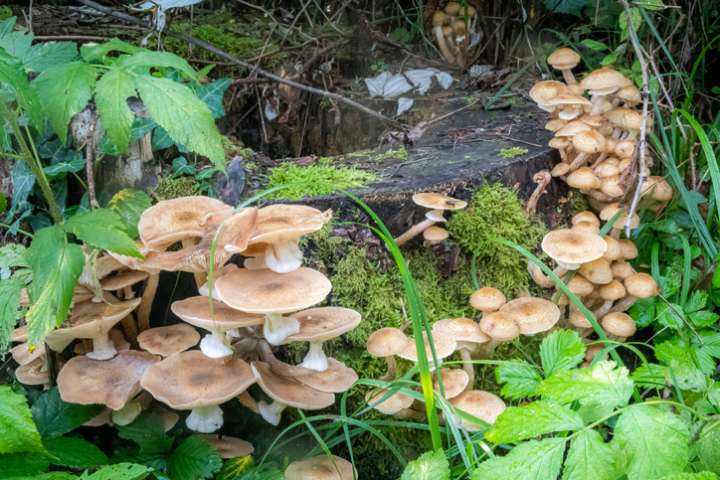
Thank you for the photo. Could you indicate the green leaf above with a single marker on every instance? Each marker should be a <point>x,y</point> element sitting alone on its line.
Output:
<point>650,375</point>
<point>193,459</point>
<point>16,43</point>
<point>626,22</point>
<point>185,117</point>
<point>47,476</point>
<point>14,77</point>
<point>46,55</point>
<point>533,460</point>
<point>148,432</point>
<point>708,446</point>
<point>532,420</point>
<point>120,471</point>
<point>143,61</point>
<point>95,52</point>
<point>520,379</point>
<point>12,255</point>
<point>3,202</point>
<point>653,442</point>
<point>130,204</point>
<point>691,476</point>
<point>570,7</point>
<point>54,417</point>
<point>428,466</point>
<point>65,89</point>
<point>17,430</point>
<point>9,309</point>
<point>75,163</point>
<point>23,465</point>
<point>560,351</point>
<point>104,229</point>
<point>594,45</point>
<point>7,26</point>
<point>112,92</point>
<point>590,458</point>
<point>213,94</point>
<point>74,452</point>
<point>683,364</point>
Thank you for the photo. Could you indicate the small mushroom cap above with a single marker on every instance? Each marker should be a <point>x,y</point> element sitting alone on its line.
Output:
<point>628,249</point>
<point>463,330</point>
<point>196,311</point>
<point>621,269</point>
<point>573,247</point>
<point>641,285</point>
<point>439,18</point>
<point>170,221</point>
<point>598,271</point>
<point>625,148</point>
<point>438,201</point>
<point>619,324</point>
<point>544,91</point>
<point>480,404</point>
<point>455,381</point>
<point>165,341</point>
<point>612,291</point>
<point>229,447</point>
<point>590,141</point>
<point>560,169</point>
<point>289,391</point>
<point>391,405</point>
<point>558,142</point>
<point>614,250</point>
<point>580,286</point>
<point>658,188</point>
<point>280,222</point>
<point>611,209</point>
<point>625,118</point>
<point>434,235</point>
<point>500,326</point>
<point>533,315</point>
<point>453,8</point>
<point>586,227</point>
<point>336,379</point>
<point>104,382</point>
<point>445,345</point>
<point>33,373</point>
<point>630,95</point>
<point>604,81</point>
<point>555,124</point>
<point>578,320</point>
<point>583,178</point>
<point>564,59</point>
<point>573,128</point>
<point>320,468</point>
<point>23,355</point>
<point>189,379</point>
<point>607,169</point>
<point>487,299</point>
<point>324,323</point>
<point>123,280</point>
<point>569,100</point>
<point>194,259</point>
<point>265,291</point>
<point>386,342</point>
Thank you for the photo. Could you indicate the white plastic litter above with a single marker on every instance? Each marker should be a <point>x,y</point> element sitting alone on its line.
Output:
<point>417,80</point>
<point>167,4</point>
<point>404,104</point>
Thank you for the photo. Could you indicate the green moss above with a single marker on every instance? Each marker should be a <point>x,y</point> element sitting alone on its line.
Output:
<point>513,152</point>
<point>399,153</point>
<point>577,202</point>
<point>5,12</point>
<point>174,187</point>
<point>316,180</point>
<point>495,213</point>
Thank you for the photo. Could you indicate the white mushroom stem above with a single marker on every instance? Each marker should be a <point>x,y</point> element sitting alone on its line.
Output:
<point>578,161</point>
<point>542,179</point>
<point>148,296</point>
<point>568,76</point>
<point>103,347</point>
<point>540,279</point>
<point>204,290</point>
<point>272,412</point>
<point>277,328</point>
<point>444,49</point>
<point>207,419</point>
<point>127,414</point>
<point>391,370</point>
<point>315,358</point>
<point>624,304</point>
<point>603,309</point>
<point>414,231</point>
<point>284,257</point>
<point>468,366</point>
<point>214,345</point>
<point>409,414</point>
<point>249,402</point>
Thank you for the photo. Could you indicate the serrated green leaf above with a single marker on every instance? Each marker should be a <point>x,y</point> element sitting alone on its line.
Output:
<point>185,117</point>
<point>46,55</point>
<point>95,52</point>
<point>56,266</point>
<point>691,476</point>
<point>708,446</point>
<point>213,94</point>
<point>16,43</point>
<point>653,442</point>
<point>54,417</point>
<point>516,424</point>
<point>130,204</point>
<point>46,476</point>
<point>193,459</point>
<point>590,458</point>
<point>533,460</point>
<point>683,364</point>
<point>120,471</point>
<point>23,465</point>
<point>520,379</point>
<point>10,289</point>
<point>17,430</point>
<point>111,95</point>
<point>74,452</point>
<point>12,255</point>
<point>148,432</point>
<point>650,375</point>
<point>145,60</point>
<point>560,351</point>
<point>65,89</point>
<point>13,77</point>
<point>428,466</point>
<point>104,229</point>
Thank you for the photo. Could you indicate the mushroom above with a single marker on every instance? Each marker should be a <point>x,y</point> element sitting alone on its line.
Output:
<point>580,322</point>
<point>435,235</point>
<point>286,392</point>
<point>480,404</point>
<point>439,19</point>
<point>585,216</point>
<point>337,378</point>
<point>583,179</point>
<point>234,233</point>
<point>614,250</point>
<point>621,269</point>
<point>532,315</point>
<point>597,271</point>
<point>572,248</point>
<point>487,300</point>
<point>610,292</point>
<point>165,341</point>
<point>540,279</point>
<point>196,311</point>
<point>587,143</point>
<point>116,337</point>
<point>610,210</point>
<point>391,405</point>
<point>618,326</point>
<point>436,202</point>
<point>544,91</point>
<point>131,410</point>
<point>500,327</point>
<point>565,59</point>
<point>627,120</point>
<point>273,294</point>
<point>192,381</point>
<point>386,343</point>
<point>323,467</point>
<point>602,82</point>
<point>467,335</point>
<point>638,285</point>
<point>33,373</point>
<point>454,380</point>
<point>318,325</point>
<point>444,347</point>
<point>542,179</point>
<point>229,447</point>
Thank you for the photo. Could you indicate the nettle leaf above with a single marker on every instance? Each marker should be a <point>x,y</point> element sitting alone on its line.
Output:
<point>111,94</point>
<point>561,350</point>
<point>130,204</point>
<point>683,365</point>
<point>533,460</point>
<point>652,441</point>
<point>23,465</point>
<point>10,289</point>
<point>65,89</point>
<point>520,379</point>
<point>590,458</point>
<point>56,265</point>
<point>144,60</point>
<point>95,52</point>
<point>14,77</point>
<point>185,117</point>
<point>213,94</point>
<point>120,471</point>
<point>104,229</point>
<point>17,430</point>
<point>54,417</point>
<point>691,476</point>
<point>46,55</point>
<point>708,446</point>
<point>193,459</point>
<point>532,420</point>
<point>74,452</point>
<point>428,466</point>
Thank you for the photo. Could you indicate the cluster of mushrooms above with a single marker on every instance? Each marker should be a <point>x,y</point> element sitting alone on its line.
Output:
<point>455,28</point>
<point>436,205</point>
<point>596,136</point>
<point>244,313</point>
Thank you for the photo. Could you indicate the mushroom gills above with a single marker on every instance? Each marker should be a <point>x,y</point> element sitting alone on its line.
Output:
<point>207,419</point>
<point>103,348</point>
<point>214,345</point>
<point>283,257</point>
<point>277,328</point>
<point>315,358</point>
<point>271,412</point>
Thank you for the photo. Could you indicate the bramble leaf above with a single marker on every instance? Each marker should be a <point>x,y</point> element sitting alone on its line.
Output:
<point>193,459</point>
<point>520,379</point>
<point>17,430</point>
<point>120,471</point>
<point>111,94</point>
<point>590,458</point>
<point>708,446</point>
<point>532,420</point>
<point>144,60</point>
<point>110,237</point>
<point>46,55</point>
<point>533,460</point>
<point>560,351</point>
<point>428,466</point>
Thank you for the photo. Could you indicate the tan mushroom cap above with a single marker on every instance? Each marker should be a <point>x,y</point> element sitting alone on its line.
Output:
<point>264,291</point>
<point>570,129</point>
<point>438,201</point>
<point>165,341</point>
<point>478,403</point>
<point>500,326</point>
<point>453,8</point>
<point>614,250</point>
<point>487,299</point>
<point>33,373</point>
<point>598,271</point>
<point>187,380</point>
<point>463,330</point>
<point>612,291</point>
<point>641,285</point>
<point>235,232</point>
<point>604,81</point>
<point>196,311</point>
<point>336,379</point>
<point>580,286</point>
<point>568,99</point>
<point>445,345</point>
<point>434,235</point>
<point>578,320</point>
<point>391,405</point>
<point>279,222</point>
<point>455,381</point>
<point>19,334</point>
<point>619,324</point>
<point>625,118</point>
<point>229,447</point>
<point>320,468</point>
<point>123,280</point>
<point>555,124</point>
<point>622,269</point>
<point>533,315</point>
<point>628,248</point>
<point>22,353</point>
<point>289,391</point>
<point>590,141</point>
<point>323,323</point>
<point>564,58</point>
<point>170,221</point>
<point>583,178</point>
<point>586,227</point>
<point>104,382</point>
<point>386,342</point>
<point>570,248</point>
<point>439,18</point>
<point>544,91</point>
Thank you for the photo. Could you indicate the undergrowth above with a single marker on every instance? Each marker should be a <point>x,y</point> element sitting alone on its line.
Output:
<point>316,180</point>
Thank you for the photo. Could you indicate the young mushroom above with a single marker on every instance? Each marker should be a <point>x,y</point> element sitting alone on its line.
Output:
<point>435,202</point>
<point>609,293</point>
<point>439,20</point>
<point>467,335</point>
<point>434,235</point>
<point>638,285</point>
<point>572,248</point>
<point>487,300</point>
<point>532,315</point>
<point>444,347</point>
<point>454,380</point>
<point>542,179</point>
<point>165,341</point>
<point>480,404</point>
<point>386,343</point>
<point>389,404</point>
<point>500,327</point>
<point>618,326</point>
<point>323,467</point>
<point>597,271</point>
<point>337,378</point>
<point>565,59</point>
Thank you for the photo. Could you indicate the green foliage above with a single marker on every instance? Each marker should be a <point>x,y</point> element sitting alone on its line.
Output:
<point>129,205</point>
<point>193,459</point>
<point>74,452</point>
<point>533,460</point>
<point>110,237</point>
<point>531,420</point>
<point>590,457</point>
<point>17,430</point>
<point>54,417</point>
<point>513,152</point>
<point>173,187</point>
<point>429,466</point>
<point>708,446</point>
<point>316,180</point>
<point>120,471</point>
<point>14,275</point>
<point>560,351</point>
